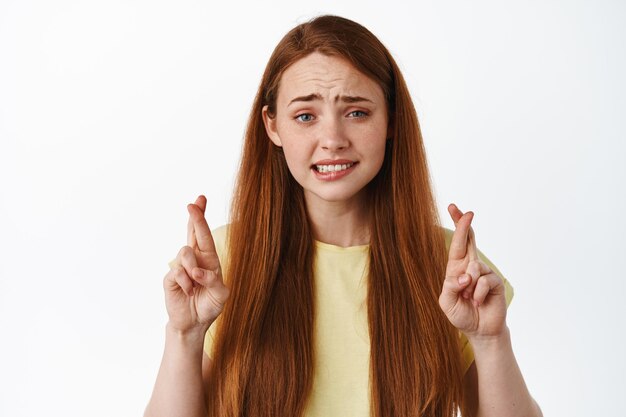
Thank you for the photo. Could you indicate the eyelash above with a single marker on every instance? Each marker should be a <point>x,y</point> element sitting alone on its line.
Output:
<point>365,114</point>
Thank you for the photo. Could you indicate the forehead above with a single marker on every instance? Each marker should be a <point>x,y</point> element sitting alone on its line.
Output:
<point>325,75</point>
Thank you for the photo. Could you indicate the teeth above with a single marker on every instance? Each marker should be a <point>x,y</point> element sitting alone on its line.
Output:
<point>333,168</point>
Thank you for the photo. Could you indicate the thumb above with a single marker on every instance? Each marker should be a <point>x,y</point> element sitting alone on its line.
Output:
<point>452,288</point>
<point>212,281</point>
<point>206,277</point>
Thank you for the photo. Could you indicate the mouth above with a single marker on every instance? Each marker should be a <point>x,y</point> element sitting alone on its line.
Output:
<point>323,168</point>
<point>333,170</point>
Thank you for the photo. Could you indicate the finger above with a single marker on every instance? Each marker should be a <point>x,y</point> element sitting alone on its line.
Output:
<point>177,277</point>
<point>486,284</point>
<point>201,229</point>
<point>206,277</point>
<point>201,203</point>
<point>455,213</point>
<point>187,259</point>
<point>191,236</point>
<point>458,245</point>
<point>472,249</point>
<point>212,279</point>
<point>473,271</point>
<point>452,287</point>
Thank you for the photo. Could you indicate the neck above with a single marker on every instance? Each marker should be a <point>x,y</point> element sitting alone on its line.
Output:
<point>342,223</point>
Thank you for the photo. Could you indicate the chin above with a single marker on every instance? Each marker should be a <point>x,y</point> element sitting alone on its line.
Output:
<point>337,197</point>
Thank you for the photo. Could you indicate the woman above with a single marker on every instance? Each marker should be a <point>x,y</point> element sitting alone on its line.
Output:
<point>340,293</point>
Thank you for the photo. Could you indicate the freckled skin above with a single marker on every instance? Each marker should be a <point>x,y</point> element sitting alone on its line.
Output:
<point>330,128</point>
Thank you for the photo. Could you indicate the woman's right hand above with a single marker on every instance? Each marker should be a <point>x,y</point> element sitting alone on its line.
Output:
<point>194,290</point>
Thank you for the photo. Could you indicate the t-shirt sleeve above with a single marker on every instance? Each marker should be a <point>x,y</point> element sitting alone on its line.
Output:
<point>468,353</point>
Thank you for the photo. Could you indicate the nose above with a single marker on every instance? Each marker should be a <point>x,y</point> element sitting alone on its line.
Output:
<point>332,136</point>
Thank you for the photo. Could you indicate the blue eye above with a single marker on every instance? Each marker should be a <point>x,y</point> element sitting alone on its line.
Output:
<point>360,113</point>
<point>304,117</point>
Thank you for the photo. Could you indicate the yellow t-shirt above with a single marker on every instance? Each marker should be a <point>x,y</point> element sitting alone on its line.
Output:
<point>342,344</point>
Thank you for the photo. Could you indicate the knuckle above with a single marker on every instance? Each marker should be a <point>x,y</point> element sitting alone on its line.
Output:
<point>496,280</point>
<point>183,282</point>
<point>202,273</point>
<point>186,251</point>
<point>179,274</point>
<point>483,282</point>
<point>212,276</point>
<point>169,277</point>
<point>449,283</point>
<point>177,270</point>
<point>188,258</point>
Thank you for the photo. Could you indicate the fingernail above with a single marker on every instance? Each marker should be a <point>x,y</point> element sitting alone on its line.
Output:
<point>463,279</point>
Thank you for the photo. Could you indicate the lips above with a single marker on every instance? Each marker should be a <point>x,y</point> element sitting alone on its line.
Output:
<point>333,168</point>
<point>331,165</point>
<point>330,170</point>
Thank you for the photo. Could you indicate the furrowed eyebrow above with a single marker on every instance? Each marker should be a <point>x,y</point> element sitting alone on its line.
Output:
<point>310,97</point>
<point>315,96</point>
<point>352,99</point>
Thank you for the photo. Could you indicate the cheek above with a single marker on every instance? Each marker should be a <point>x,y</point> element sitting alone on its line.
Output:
<point>295,157</point>
<point>376,142</point>
<point>380,152</point>
<point>377,151</point>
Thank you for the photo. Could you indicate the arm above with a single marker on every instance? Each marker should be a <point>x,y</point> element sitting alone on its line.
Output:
<point>473,299</point>
<point>179,388</point>
<point>494,385</point>
<point>194,296</point>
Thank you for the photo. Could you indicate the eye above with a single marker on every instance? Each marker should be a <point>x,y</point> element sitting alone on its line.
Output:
<point>358,113</point>
<point>304,117</point>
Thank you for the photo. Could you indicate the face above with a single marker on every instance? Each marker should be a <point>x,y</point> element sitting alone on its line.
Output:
<point>331,121</point>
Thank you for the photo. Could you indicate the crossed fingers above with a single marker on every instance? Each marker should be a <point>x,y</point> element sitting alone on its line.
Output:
<point>197,262</point>
<point>463,240</point>
<point>478,279</point>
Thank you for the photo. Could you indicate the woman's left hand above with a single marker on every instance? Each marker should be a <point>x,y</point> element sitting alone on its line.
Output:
<point>473,295</point>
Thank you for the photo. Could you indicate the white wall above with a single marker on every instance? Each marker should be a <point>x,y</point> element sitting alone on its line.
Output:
<point>115,114</point>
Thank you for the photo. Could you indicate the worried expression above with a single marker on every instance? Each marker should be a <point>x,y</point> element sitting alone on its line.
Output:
<point>331,121</point>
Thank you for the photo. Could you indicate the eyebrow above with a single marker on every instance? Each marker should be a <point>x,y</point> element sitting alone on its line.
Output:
<point>315,96</point>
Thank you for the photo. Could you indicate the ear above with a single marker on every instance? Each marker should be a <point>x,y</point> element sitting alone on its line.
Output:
<point>270,127</point>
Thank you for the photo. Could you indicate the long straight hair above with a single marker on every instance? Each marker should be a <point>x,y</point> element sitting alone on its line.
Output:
<point>263,359</point>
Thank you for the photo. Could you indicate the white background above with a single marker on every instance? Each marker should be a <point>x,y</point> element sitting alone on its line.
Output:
<point>116,114</point>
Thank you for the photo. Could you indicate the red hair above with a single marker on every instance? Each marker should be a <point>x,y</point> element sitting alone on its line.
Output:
<point>263,359</point>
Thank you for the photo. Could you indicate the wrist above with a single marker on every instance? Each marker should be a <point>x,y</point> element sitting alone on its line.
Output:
<point>490,343</point>
<point>191,335</point>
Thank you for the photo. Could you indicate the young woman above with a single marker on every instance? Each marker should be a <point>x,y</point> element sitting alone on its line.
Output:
<point>338,292</point>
